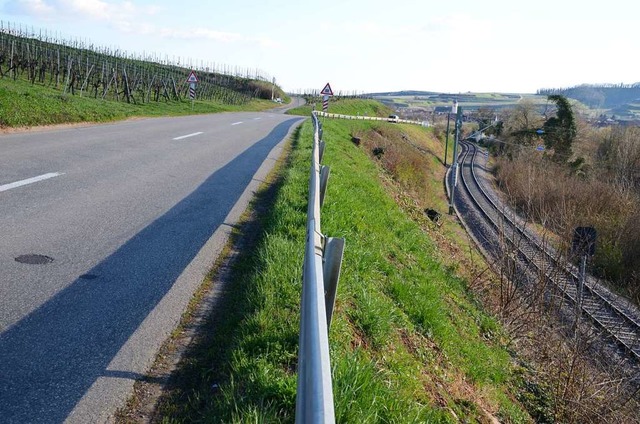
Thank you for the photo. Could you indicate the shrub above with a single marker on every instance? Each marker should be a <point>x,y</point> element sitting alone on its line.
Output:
<point>549,194</point>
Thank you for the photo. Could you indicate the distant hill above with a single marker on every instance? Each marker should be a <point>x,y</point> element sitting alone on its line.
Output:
<point>605,96</point>
<point>403,93</point>
<point>446,97</point>
<point>429,100</point>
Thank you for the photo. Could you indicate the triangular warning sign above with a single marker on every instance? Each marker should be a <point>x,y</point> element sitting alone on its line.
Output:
<point>192,77</point>
<point>327,90</point>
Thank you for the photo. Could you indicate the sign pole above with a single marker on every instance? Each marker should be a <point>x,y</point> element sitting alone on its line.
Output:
<point>583,244</point>
<point>326,92</point>
<point>192,80</point>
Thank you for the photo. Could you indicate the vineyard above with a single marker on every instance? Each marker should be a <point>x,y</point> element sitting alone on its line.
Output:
<point>75,68</point>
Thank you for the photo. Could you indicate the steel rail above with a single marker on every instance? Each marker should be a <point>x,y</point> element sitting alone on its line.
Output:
<point>603,312</point>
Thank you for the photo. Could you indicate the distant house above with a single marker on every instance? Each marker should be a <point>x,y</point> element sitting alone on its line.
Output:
<point>441,110</point>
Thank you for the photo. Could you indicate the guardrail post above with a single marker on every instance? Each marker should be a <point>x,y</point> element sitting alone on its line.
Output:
<point>324,179</point>
<point>333,251</point>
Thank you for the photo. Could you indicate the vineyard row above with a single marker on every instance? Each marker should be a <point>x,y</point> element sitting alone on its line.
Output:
<point>86,71</point>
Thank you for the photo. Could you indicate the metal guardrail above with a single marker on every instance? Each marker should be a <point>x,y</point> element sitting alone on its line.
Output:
<point>370,118</point>
<point>322,263</point>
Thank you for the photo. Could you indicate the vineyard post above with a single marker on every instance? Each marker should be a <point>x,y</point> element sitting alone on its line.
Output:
<point>66,84</point>
<point>58,67</point>
<point>11,71</point>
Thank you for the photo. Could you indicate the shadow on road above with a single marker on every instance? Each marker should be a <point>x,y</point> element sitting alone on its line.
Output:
<point>52,356</point>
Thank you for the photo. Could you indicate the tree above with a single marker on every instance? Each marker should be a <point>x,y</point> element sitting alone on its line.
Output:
<point>522,122</point>
<point>485,116</point>
<point>620,155</point>
<point>560,131</point>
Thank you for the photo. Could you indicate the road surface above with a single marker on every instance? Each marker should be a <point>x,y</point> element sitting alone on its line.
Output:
<point>106,231</point>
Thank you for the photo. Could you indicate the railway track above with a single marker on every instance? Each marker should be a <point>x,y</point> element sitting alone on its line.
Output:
<point>612,316</point>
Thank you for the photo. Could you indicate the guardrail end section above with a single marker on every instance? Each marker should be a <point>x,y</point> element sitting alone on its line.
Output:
<point>324,179</point>
<point>332,263</point>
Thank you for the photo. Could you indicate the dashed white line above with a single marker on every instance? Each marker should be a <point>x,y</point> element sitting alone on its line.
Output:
<point>257,119</point>
<point>30,181</point>
<point>188,135</point>
<point>237,123</point>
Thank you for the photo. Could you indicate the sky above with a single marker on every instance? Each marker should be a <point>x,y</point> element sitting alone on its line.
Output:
<point>365,45</point>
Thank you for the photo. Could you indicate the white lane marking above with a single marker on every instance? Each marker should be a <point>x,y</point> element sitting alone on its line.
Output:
<point>237,123</point>
<point>257,119</point>
<point>30,180</point>
<point>188,135</point>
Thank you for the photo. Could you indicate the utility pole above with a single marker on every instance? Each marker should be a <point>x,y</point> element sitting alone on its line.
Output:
<point>454,164</point>
<point>273,87</point>
<point>446,143</point>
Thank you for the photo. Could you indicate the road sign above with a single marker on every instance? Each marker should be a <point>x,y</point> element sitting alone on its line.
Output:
<point>192,77</point>
<point>584,241</point>
<point>327,90</point>
<point>192,90</point>
<point>325,103</point>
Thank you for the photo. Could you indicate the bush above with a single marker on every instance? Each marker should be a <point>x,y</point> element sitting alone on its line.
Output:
<point>549,194</point>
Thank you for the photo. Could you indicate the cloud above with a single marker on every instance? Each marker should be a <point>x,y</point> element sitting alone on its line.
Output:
<point>195,33</point>
<point>202,34</point>
<point>125,17</point>
<point>117,13</point>
<point>28,7</point>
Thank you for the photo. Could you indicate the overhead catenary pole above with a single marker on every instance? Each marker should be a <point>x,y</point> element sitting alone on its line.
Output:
<point>454,164</point>
<point>446,143</point>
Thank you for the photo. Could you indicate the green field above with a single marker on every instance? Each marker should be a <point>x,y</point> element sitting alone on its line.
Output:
<point>498,101</point>
<point>25,104</point>
<point>468,101</point>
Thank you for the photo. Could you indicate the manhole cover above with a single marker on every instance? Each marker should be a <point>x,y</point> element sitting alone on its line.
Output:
<point>34,259</point>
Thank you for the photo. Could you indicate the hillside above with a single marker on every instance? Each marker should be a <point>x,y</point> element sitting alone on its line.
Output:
<point>620,101</point>
<point>606,96</point>
<point>45,81</point>
<point>469,101</point>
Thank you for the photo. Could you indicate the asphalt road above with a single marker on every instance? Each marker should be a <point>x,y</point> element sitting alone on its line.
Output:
<point>128,217</point>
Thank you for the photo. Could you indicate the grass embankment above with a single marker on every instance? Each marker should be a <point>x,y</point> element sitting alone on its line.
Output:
<point>26,104</point>
<point>408,342</point>
<point>344,106</point>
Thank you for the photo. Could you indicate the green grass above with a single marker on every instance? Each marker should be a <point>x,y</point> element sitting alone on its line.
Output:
<point>466,100</point>
<point>353,107</point>
<point>25,104</point>
<point>408,342</point>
